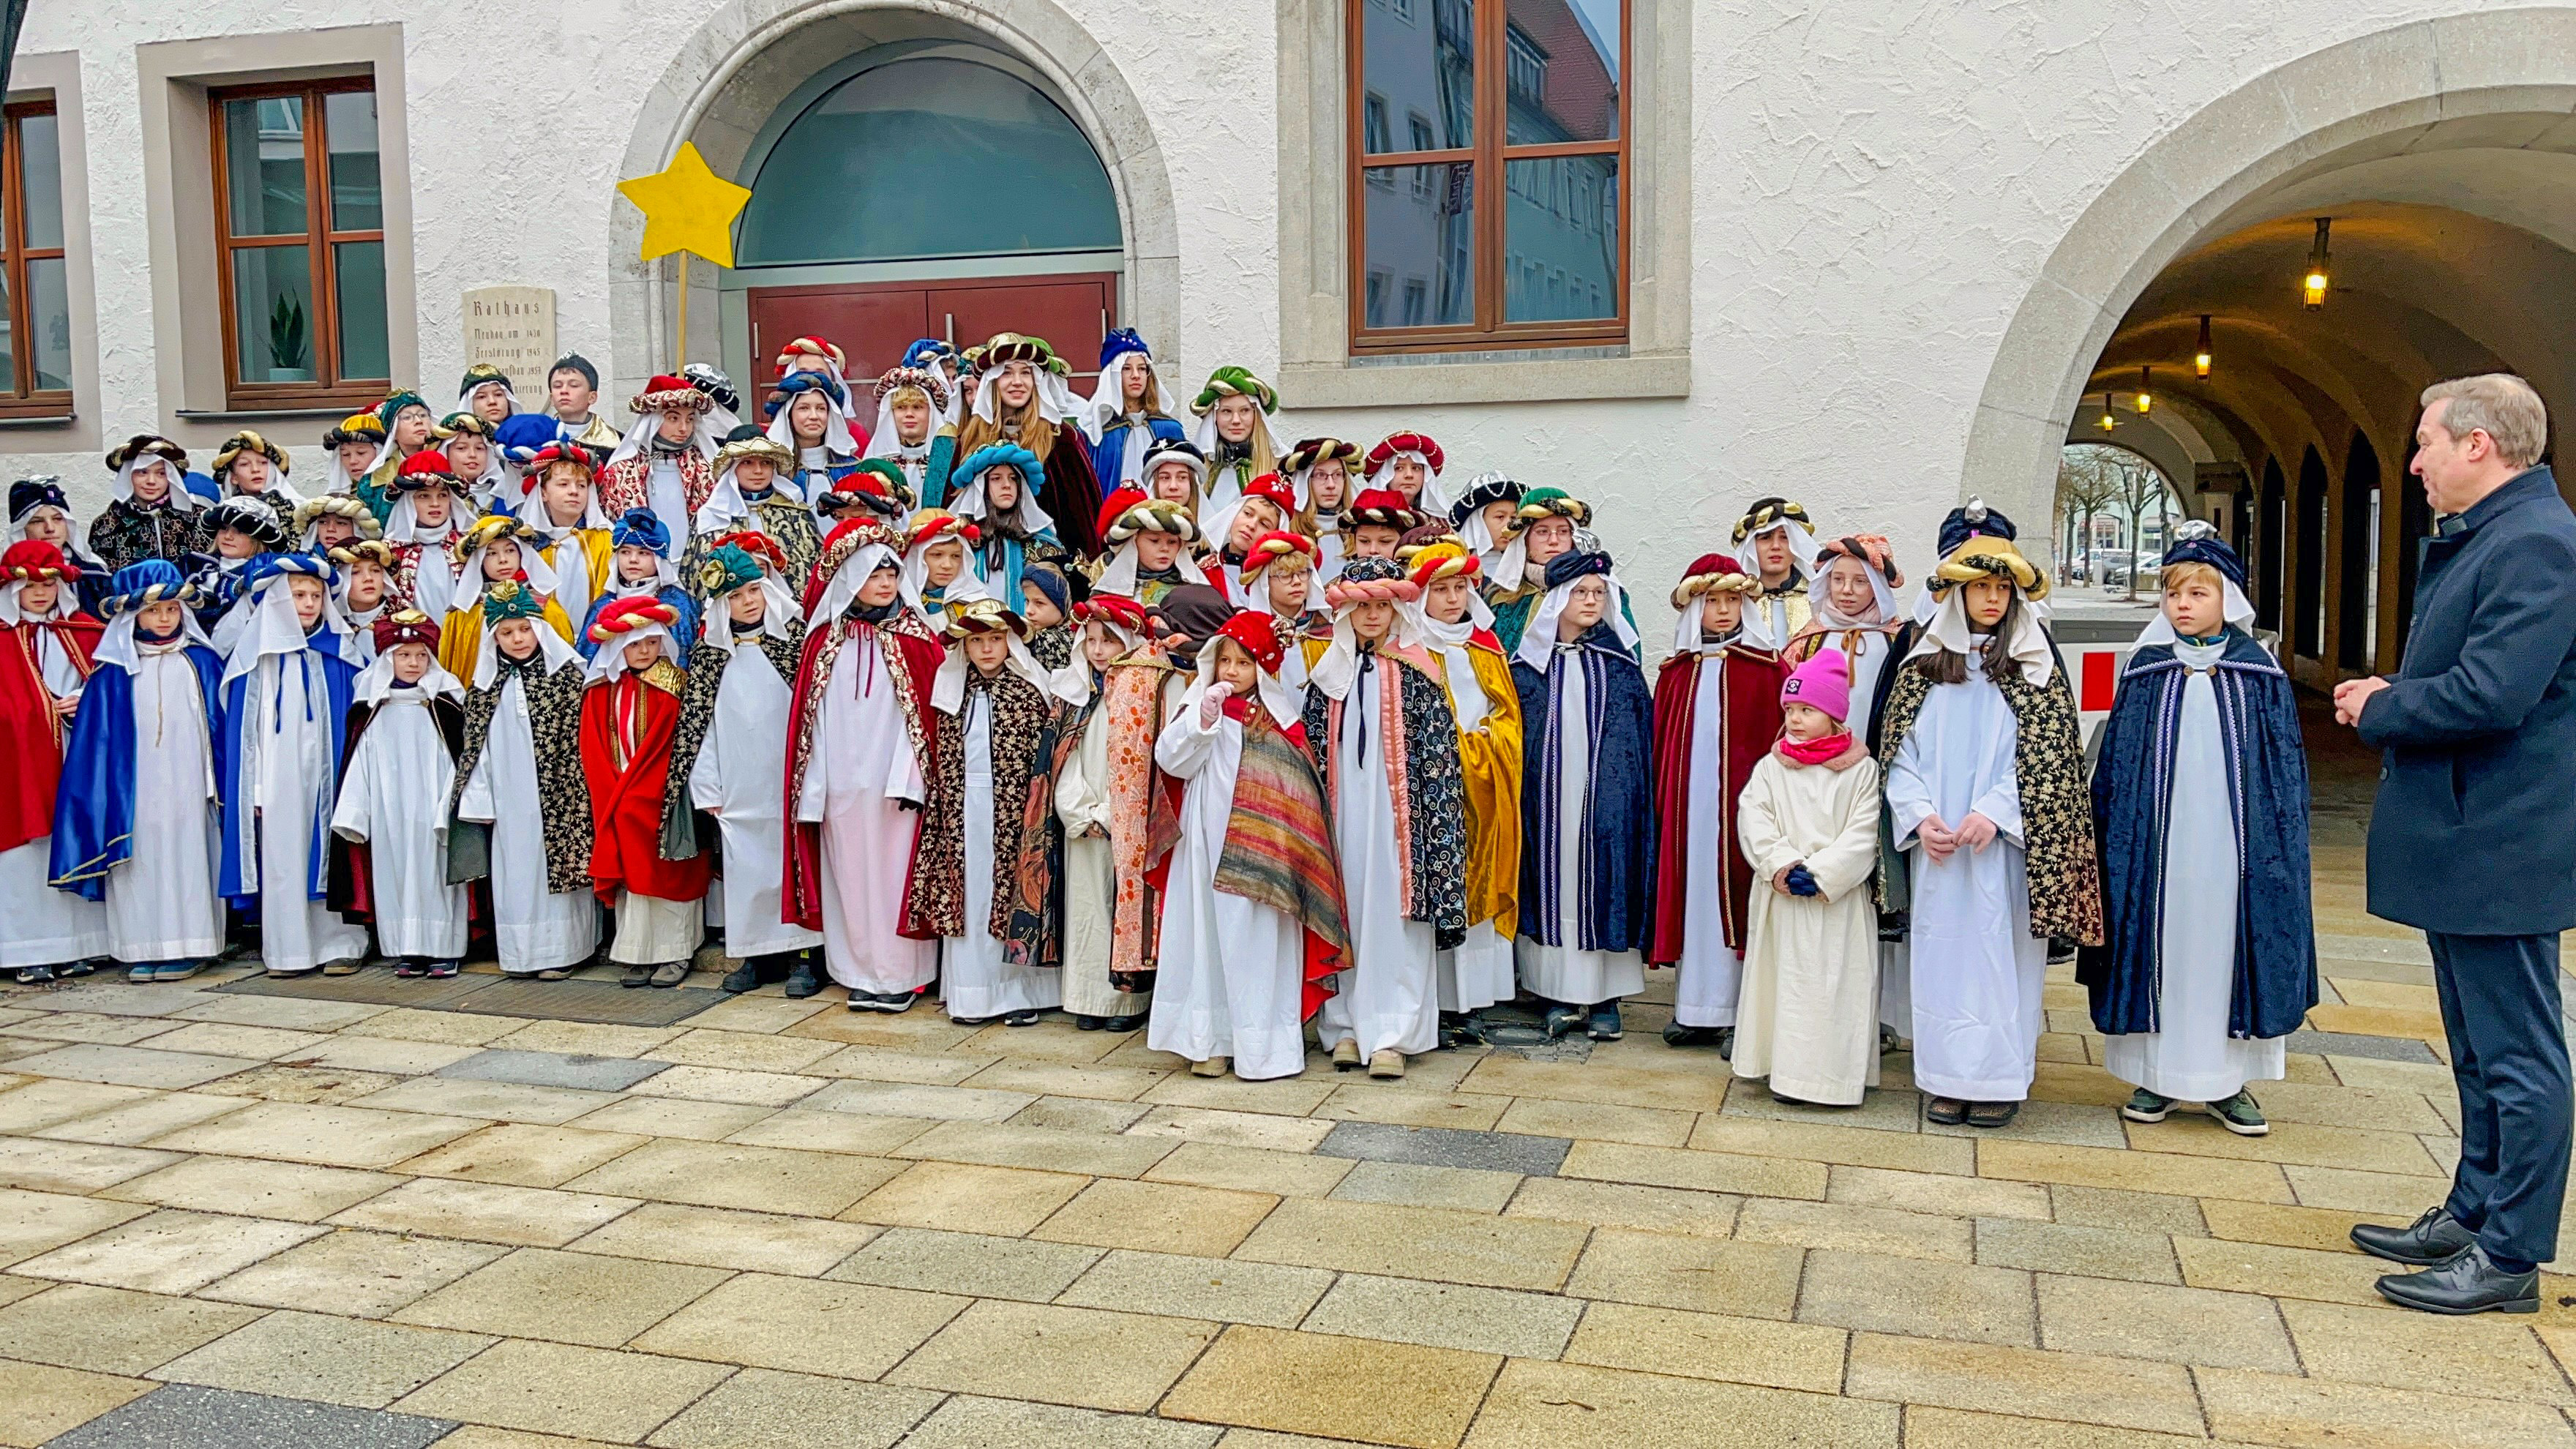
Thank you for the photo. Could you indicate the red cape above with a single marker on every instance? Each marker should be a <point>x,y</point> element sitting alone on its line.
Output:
<point>801,893</point>
<point>1751,723</point>
<point>31,734</point>
<point>626,805</point>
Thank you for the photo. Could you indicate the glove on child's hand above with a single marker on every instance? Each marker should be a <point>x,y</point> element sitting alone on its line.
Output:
<point>1801,883</point>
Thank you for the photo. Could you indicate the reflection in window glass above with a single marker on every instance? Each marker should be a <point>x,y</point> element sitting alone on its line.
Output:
<point>928,157</point>
<point>358,270</point>
<point>8,337</point>
<point>1561,239</point>
<point>41,173</point>
<point>1561,71</point>
<point>273,313</point>
<point>49,324</point>
<point>357,193</point>
<point>264,165</point>
<point>1427,71</point>
<point>1423,228</point>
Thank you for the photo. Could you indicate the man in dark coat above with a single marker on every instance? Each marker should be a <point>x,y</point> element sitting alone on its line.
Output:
<point>2477,729</point>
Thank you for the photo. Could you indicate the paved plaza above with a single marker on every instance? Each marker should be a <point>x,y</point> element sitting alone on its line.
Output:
<point>247,1213</point>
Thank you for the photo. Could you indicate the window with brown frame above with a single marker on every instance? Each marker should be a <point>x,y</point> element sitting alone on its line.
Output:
<point>1497,217</point>
<point>299,224</point>
<point>36,323</point>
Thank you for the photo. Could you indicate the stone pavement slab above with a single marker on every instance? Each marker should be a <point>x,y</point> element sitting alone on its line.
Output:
<point>968,1263</point>
<point>187,1417</point>
<point>38,1402</point>
<point>846,1330</point>
<point>361,1273</point>
<point>1079,1356</point>
<point>111,1330</point>
<point>337,1360</point>
<point>582,1298</point>
<point>552,1069</point>
<point>1311,1383</point>
<point>1447,1147</point>
<point>765,1409</point>
<point>169,1251</point>
<point>1548,1405</point>
<point>554,1388</point>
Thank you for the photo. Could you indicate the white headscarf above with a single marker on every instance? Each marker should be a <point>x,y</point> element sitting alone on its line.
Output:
<point>916,582</point>
<point>1338,666</point>
<point>532,509</point>
<point>1539,639</point>
<point>838,440</point>
<point>610,661</point>
<point>465,399</point>
<point>849,578</point>
<point>553,648</point>
<point>1275,697</point>
<point>948,686</point>
<point>66,602</point>
<point>468,590</point>
<point>1029,519</point>
<point>1820,600</point>
<point>1802,546</point>
<point>119,647</point>
<point>181,495</point>
<point>716,619</point>
<point>2235,608</point>
<point>1073,683</point>
<point>639,437</point>
<point>1949,630</point>
<point>1054,398</point>
<point>885,440</point>
<point>726,508</point>
<point>342,482</point>
<point>271,627</point>
<point>1434,499</point>
<point>376,681</point>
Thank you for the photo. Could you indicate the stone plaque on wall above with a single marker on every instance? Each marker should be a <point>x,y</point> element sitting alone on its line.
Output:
<point>513,328</point>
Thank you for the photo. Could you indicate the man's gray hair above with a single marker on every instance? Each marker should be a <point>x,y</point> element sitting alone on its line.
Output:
<point>2500,405</point>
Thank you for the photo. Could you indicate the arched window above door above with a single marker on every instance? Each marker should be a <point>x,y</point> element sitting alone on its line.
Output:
<point>928,156</point>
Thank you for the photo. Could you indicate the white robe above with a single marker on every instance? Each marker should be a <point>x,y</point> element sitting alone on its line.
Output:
<point>2193,1058</point>
<point>741,778</point>
<point>1230,968</point>
<point>39,925</point>
<point>393,801</point>
<point>1977,970</point>
<point>1710,972</point>
<point>1479,972</point>
<point>1090,879</point>
<point>161,904</point>
<point>574,587</point>
<point>1869,655</point>
<point>1810,1004</point>
<point>1566,972</point>
<point>533,928</point>
<point>669,499</point>
<point>861,766</point>
<point>975,979</point>
<point>293,770</point>
<point>1388,996</point>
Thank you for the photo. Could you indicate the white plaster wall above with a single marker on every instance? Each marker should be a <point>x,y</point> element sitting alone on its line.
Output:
<point>1876,186</point>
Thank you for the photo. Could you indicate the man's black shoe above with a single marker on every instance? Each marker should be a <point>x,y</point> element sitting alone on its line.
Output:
<point>2468,1282</point>
<point>2436,1237</point>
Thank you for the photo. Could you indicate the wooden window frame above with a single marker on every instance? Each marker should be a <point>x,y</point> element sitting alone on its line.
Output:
<point>1488,159</point>
<point>19,395</point>
<point>328,389</point>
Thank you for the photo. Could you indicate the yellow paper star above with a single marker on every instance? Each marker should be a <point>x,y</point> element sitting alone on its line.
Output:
<point>687,208</point>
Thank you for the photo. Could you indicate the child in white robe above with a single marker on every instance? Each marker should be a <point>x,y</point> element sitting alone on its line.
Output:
<point>137,819</point>
<point>520,780</point>
<point>736,771</point>
<point>1238,975</point>
<point>405,725</point>
<point>1807,1017</point>
<point>286,695</point>
<point>859,746</point>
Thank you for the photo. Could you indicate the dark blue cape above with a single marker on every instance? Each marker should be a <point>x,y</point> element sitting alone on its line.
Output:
<point>339,683</point>
<point>1615,882</point>
<point>94,804</point>
<point>2276,956</point>
<point>1110,453</point>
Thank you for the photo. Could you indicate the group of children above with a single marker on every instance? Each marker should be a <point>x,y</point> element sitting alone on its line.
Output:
<point>1062,705</point>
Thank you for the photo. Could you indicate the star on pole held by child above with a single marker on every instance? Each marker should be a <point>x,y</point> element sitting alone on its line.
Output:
<point>688,209</point>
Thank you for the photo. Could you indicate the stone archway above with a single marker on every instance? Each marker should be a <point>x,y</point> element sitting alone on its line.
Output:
<point>2266,142</point>
<point>751,55</point>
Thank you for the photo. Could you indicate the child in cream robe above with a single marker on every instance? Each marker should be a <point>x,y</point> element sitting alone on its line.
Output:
<point>1808,1014</point>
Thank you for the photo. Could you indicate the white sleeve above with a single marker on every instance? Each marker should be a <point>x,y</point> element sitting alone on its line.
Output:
<point>1186,746</point>
<point>1909,794</point>
<point>706,773</point>
<point>349,816</point>
<point>476,803</point>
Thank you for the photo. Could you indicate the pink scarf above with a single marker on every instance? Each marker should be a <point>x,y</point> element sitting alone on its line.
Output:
<point>1837,751</point>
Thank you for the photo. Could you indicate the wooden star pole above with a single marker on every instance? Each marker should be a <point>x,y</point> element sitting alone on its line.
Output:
<point>690,210</point>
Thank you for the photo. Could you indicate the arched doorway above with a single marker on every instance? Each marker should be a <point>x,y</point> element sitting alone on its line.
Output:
<point>924,189</point>
<point>1022,86</point>
<point>2446,253</point>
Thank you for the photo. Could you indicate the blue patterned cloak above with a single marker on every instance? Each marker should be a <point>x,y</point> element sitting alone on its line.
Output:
<point>241,825</point>
<point>1616,881</point>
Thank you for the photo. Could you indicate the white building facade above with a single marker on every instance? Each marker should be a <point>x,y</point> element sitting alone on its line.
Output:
<point>1670,256</point>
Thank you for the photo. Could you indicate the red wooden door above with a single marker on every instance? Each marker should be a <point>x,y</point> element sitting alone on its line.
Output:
<point>872,323</point>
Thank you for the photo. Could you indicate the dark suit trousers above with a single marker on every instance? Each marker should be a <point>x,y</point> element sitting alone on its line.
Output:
<point>2509,1054</point>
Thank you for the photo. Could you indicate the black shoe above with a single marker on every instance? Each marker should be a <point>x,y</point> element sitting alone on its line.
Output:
<point>1122,1023</point>
<point>1022,1018</point>
<point>1678,1035</point>
<point>35,975</point>
<point>71,969</point>
<point>1562,1019</point>
<point>2436,1237</point>
<point>742,978</point>
<point>1604,1023</point>
<point>1089,1023</point>
<point>2469,1282</point>
<point>801,982</point>
<point>637,976</point>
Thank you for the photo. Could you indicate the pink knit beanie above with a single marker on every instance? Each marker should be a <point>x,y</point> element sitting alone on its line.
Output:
<point>1823,682</point>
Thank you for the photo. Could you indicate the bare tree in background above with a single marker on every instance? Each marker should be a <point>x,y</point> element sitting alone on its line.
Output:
<point>2083,489</point>
<point>2114,478</point>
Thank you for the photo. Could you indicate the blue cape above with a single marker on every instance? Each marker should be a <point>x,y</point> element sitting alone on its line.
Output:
<point>2276,956</point>
<point>94,804</point>
<point>1617,873</point>
<point>241,825</point>
<point>1110,453</point>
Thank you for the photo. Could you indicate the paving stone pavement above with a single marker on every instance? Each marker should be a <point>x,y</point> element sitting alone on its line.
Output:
<point>236,1217</point>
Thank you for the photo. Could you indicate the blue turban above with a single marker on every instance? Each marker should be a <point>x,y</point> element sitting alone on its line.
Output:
<point>1975,520</point>
<point>642,528</point>
<point>998,455</point>
<point>2205,547</point>
<point>525,430</point>
<point>153,581</point>
<point>1574,564</point>
<point>796,382</point>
